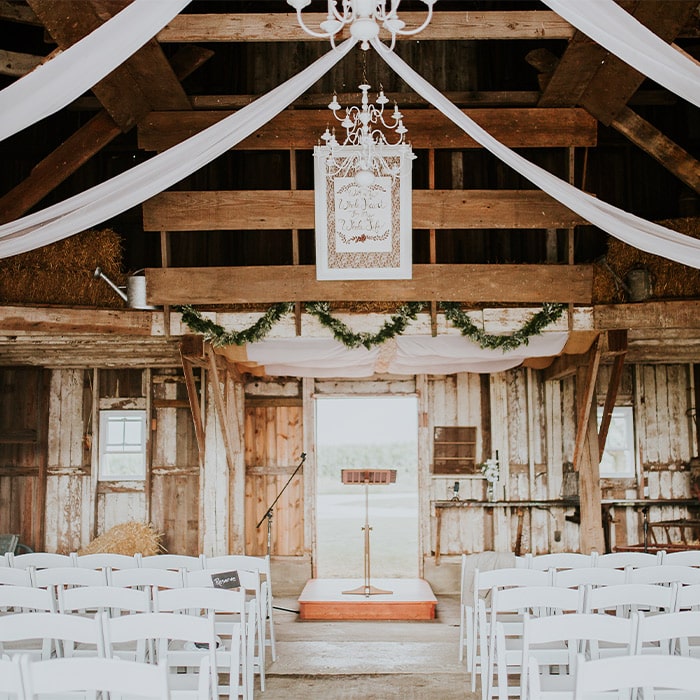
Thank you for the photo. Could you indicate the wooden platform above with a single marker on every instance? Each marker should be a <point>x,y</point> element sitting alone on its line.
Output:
<point>327,599</point>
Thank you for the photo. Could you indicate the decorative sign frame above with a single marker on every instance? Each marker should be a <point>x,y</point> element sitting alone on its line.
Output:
<point>364,231</point>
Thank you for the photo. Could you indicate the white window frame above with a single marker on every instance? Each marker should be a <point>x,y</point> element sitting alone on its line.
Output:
<point>621,415</point>
<point>136,450</point>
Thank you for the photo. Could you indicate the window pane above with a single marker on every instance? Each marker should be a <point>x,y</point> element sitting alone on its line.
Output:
<point>122,444</point>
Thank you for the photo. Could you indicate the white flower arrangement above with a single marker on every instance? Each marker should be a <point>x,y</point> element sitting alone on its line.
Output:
<point>491,470</point>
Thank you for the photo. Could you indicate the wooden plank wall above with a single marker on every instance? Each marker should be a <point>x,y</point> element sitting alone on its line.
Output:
<point>23,424</point>
<point>273,445</point>
<point>174,507</point>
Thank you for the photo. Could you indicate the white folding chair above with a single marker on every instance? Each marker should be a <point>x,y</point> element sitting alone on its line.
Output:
<point>508,607</point>
<point>11,685</point>
<point>562,560</point>
<point>87,676</point>
<point>104,560</point>
<point>180,642</point>
<point>245,562</point>
<point>40,560</point>
<point>627,598</point>
<point>234,625</point>
<point>672,633</point>
<point>687,557</point>
<point>41,634</point>
<point>59,578</point>
<point>478,589</point>
<point>666,574</point>
<point>626,673</point>
<point>171,561</point>
<point>688,597</point>
<point>15,577</point>
<point>146,579</point>
<point>545,637</point>
<point>112,600</point>
<point>621,560</point>
<point>26,599</point>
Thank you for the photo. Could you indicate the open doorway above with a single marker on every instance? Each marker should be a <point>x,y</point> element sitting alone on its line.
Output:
<point>378,432</point>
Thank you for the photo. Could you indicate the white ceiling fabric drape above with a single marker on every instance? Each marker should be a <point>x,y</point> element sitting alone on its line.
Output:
<point>620,33</point>
<point>631,229</point>
<point>66,76</point>
<point>134,186</point>
<point>407,354</point>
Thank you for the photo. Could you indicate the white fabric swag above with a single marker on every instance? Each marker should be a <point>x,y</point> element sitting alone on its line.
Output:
<point>134,186</point>
<point>620,33</point>
<point>633,230</point>
<point>56,83</point>
<point>326,357</point>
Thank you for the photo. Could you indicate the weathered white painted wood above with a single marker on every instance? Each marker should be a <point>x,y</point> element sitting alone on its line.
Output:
<point>214,485</point>
<point>235,491</point>
<point>310,473</point>
<point>498,390</point>
<point>553,429</point>
<point>120,507</point>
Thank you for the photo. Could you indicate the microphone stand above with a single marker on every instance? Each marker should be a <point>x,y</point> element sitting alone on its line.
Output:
<point>268,514</point>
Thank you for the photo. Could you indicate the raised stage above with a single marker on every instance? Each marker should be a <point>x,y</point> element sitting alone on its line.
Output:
<point>327,599</point>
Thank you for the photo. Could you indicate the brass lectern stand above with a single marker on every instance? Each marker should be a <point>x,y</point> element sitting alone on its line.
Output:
<point>367,477</point>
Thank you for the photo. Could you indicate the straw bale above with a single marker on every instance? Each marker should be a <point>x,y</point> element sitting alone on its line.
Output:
<point>669,280</point>
<point>127,538</point>
<point>63,273</point>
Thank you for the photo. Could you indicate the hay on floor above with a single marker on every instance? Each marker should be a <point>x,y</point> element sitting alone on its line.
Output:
<point>127,538</point>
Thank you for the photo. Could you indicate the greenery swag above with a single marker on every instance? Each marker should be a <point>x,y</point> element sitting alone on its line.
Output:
<point>218,336</point>
<point>535,326</point>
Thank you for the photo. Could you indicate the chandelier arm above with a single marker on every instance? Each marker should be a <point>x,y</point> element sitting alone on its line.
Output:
<point>318,35</point>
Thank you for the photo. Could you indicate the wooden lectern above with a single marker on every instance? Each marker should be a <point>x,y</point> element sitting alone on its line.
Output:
<point>367,477</point>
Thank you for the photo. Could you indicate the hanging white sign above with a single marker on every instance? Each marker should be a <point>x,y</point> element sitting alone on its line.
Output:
<point>363,221</point>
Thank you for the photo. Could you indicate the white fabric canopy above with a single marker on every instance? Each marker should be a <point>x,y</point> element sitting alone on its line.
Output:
<point>629,228</point>
<point>56,83</point>
<point>620,33</point>
<point>327,357</point>
<point>160,172</point>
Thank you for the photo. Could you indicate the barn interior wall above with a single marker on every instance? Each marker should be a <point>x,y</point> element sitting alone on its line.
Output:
<point>529,422</point>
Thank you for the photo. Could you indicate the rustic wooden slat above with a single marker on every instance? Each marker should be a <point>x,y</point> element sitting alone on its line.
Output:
<point>585,386</point>
<point>427,128</point>
<point>506,283</point>
<point>652,315</point>
<point>294,209</point>
<point>511,24</point>
<point>17,64</point>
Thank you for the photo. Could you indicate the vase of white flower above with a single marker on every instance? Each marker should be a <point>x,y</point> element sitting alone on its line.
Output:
<point>490,470</point>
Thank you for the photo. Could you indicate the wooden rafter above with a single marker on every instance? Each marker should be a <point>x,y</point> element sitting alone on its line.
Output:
<point>511,24</point>
<point>294,209</point>
<point>428,128</point>
<point>468,283</point>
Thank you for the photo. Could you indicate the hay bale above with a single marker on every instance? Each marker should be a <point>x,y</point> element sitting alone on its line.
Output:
<point>669,280</point>
<point>127,538</point>
<point>63,273</point>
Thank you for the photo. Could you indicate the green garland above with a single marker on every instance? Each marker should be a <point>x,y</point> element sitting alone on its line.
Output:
<point>219,336</point>
<point>535,326</point>
<point>396,325</point>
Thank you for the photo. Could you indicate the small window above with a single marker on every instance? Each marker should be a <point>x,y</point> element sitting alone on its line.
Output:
<point>122,445</point>
<point>618,459</point>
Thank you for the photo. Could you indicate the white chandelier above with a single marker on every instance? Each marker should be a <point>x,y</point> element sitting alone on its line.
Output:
<point>366,148</point>
<point>364,18</point>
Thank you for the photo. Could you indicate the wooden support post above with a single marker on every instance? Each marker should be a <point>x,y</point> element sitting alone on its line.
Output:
<point>165,262</point>
<point>586,456</point>
<point>433,248</point>
<point>195,407</point>
<point>226,431</point>
<point>295,235</point>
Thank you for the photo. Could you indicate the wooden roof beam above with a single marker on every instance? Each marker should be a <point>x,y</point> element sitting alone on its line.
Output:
<point>294,209</point>
<point>428,128</point>
<point>466,283</point>
<point>509,24</point>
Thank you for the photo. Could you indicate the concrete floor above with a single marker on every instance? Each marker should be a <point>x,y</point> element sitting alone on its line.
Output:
<point>366,660</point>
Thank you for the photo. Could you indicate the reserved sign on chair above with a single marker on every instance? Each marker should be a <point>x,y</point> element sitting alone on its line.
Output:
<point>227,579</point>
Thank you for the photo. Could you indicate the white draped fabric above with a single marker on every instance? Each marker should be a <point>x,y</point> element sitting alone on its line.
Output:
<point>326,357</point>
<point>70,73</point>
<point>160,172</point>
<point>629,228</point>
<point>620,33</point>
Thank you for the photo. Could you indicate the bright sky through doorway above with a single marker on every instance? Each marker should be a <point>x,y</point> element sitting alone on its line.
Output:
<point>369,420</point>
